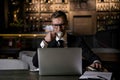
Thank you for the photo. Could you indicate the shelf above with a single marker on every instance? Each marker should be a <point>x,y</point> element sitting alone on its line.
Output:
<point>102,2</point>
<point>61,3</point>
<point>107,15</point>
<point>46,11</point>
<point>31,12</point>
<point>46,3</point>
<point>30,3</point>
<point>103,11</point>
<point>42,10</point>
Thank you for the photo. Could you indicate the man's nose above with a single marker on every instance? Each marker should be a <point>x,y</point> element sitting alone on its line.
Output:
<point>59,28</point>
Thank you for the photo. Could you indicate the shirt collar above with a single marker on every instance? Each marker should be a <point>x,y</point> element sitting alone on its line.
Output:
<point>62,38</point>
<point>57,38</point>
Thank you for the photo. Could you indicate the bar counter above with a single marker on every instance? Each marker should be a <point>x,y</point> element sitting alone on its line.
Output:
<point>23,35</point>
<point>36,34</point>
<point>28,75</point>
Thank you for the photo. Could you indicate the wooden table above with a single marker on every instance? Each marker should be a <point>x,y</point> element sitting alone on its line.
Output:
<point>28,75</point>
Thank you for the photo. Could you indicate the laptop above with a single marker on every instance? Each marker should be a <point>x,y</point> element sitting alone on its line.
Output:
<point>60,61</point>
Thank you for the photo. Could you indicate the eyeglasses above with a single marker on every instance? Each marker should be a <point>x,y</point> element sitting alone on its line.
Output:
<point>59,24</point>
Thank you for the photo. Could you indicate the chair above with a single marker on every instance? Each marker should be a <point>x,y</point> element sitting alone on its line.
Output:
<point>12,64</point>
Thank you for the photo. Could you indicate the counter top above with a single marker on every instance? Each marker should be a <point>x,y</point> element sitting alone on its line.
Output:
<point>38,34</point>
<point>22,35</point>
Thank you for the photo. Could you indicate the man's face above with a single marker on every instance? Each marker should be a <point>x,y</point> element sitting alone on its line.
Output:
<point>58,25</point>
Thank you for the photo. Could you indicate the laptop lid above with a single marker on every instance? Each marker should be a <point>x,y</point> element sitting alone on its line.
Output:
<point>60,61</point>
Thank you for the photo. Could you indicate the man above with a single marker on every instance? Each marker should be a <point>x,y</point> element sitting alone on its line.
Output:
<point>58,38</point>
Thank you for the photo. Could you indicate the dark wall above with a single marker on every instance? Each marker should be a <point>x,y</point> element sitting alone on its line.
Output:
<point>2,21</point>
<point>108,38</point>
<point>104,39</point>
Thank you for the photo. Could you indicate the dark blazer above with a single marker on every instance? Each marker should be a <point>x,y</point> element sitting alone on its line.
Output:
<point>73,41</point>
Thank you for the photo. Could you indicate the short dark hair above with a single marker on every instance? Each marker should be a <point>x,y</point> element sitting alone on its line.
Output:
<point>59,14</point>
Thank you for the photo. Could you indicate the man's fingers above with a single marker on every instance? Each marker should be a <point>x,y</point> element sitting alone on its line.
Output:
<point>48,37</point>
<point>53,35</point>
<point>96,65</point>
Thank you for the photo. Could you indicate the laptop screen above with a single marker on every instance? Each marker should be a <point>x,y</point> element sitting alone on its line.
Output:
<point>60,61</point>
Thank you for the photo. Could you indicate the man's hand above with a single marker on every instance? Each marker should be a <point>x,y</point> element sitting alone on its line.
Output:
<point>96,65</point>
<point>50,36</point>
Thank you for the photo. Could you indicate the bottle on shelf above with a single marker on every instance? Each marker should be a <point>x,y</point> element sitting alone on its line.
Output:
<point>28,1</point>
<point>10,43</point>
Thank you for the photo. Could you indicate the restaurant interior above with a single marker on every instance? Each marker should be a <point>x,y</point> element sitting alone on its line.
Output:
<point>23,22</point>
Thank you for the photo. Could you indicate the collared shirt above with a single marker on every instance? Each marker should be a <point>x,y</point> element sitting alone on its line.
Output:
<point>44,44</point>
